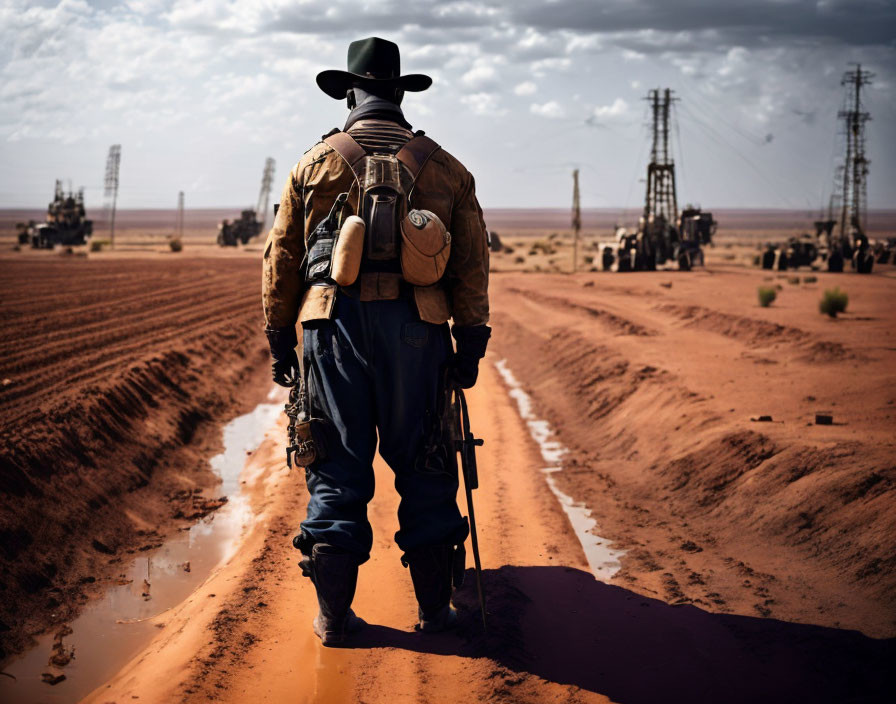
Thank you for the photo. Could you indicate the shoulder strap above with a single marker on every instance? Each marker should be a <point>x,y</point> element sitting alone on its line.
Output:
<point>346,147</point>
<point>415,153</point>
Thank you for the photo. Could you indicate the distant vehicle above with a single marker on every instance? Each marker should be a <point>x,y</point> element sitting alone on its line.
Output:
<point>696,229</point>
<point>797,251</point>
<point>23,230</point>
<point>883,250</point>
<point>239,231</point>
<point>248,226</point>
<point>66,224</point>
<point>656,243</point>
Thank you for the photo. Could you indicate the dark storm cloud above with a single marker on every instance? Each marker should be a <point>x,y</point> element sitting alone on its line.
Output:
<point>741,22</point>
<point>643,25</point>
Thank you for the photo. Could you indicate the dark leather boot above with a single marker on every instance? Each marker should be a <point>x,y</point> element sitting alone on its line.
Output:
<point>432,572</point>
<point>334,574</point>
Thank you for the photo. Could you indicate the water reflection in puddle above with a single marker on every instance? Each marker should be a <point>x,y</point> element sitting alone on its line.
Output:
<point>113,628</point>
<point>602,559</point>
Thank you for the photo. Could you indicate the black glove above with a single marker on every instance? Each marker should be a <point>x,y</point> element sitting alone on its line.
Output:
<point>285,368</point>
<point>463,367</point>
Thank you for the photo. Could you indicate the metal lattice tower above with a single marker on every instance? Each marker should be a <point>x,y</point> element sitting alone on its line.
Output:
<point>179,223</point>
<point>112,163</point>
<point>661,197</point>
<point>264,195</point>
<point>576,219</point>
<point>854,201</point>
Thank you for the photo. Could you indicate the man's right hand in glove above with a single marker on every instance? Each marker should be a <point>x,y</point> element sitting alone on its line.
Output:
<point>285,368</point>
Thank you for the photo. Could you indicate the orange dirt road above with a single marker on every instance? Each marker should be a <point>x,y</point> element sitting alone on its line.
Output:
<point>252,640</point>
<point>556,634</point>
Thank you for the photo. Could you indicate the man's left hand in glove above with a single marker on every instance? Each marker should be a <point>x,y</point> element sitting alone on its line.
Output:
<point>463,366</point>
<point>285,368</point>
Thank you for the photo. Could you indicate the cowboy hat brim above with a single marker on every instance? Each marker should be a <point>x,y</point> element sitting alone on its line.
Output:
<point>335,83</point>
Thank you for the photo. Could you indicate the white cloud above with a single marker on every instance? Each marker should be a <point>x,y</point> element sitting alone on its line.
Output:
<point>483,104</point>
<point>525,88</point>
<point>481,75</point>
<point>617,108</point>
<point>557,63</point>
<point>551,109</point>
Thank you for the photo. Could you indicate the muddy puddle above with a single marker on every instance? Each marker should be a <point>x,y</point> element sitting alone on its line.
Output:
<point>602,559</point>
<point>115,627</point>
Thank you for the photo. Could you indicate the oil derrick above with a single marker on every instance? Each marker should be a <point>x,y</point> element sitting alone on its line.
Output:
<point>264,194</point>
<point>576,219</point>
<point>664,235</point>
<point>853,204</point>
<point>112,164</point>
<point>661,197</point>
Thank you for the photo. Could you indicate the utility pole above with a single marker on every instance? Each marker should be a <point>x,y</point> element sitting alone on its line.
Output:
<point>576,220</point>
<point>853,206</point>
<point>267,178</point>
<point>179,224</point>
<point>112,164</point>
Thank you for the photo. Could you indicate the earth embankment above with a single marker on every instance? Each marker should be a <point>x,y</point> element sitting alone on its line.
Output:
<point>656,383</point>
<point>114,374</point>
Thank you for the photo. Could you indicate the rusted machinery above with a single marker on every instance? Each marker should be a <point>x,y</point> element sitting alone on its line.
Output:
<point>248,225</point>
<point>664,236</point>
<point>66,222</point>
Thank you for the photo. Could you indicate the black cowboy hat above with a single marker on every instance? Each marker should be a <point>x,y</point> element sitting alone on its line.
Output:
<point>373,63</point>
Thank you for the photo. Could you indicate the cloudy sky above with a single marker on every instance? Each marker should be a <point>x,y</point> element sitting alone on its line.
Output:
<point>198,93</point>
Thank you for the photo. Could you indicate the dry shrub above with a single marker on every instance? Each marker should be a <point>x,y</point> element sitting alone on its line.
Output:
<point>767,295</point>
<point>833,301</point>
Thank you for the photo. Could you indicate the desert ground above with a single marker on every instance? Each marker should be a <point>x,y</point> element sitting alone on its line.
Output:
<point>661,517</point>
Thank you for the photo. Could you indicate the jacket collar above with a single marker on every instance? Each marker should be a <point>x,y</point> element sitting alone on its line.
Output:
<point>375,108</point>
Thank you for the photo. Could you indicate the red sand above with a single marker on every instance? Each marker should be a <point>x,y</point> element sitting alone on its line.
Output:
<point>760,555</point>
<point>113,380</point>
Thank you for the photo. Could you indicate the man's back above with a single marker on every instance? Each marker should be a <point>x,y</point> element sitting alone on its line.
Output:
<point>377,352</point>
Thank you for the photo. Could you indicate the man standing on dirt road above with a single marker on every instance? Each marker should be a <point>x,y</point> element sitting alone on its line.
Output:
<point>379,240</point>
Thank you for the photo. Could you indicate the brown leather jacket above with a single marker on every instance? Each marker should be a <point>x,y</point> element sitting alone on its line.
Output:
<point>444,186</point>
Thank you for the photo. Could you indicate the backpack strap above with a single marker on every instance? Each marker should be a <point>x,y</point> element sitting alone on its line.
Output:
<point>346,147</point>
<point>415,153</point>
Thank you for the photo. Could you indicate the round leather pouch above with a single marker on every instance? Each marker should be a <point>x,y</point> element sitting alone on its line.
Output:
<point>425,247</point>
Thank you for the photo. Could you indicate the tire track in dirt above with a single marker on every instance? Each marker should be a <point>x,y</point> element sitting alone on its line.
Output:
<point>758,333</point>
<point>111,350</point>
<point>109,411</point>
<point>618,324</point>
<point>87,321</point>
